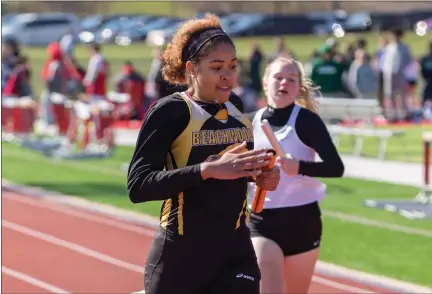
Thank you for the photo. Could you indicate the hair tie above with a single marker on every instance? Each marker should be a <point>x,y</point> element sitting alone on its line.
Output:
<point>198,40</point>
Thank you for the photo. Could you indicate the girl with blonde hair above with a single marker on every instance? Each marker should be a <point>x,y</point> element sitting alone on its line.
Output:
<point>286,235</point>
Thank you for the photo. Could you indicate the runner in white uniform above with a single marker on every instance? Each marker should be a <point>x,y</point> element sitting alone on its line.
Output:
<point>287,233</point>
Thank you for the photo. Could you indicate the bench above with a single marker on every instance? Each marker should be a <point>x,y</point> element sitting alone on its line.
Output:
<point>344,109</point>
<point>359,134</point>
<point>336,110</point>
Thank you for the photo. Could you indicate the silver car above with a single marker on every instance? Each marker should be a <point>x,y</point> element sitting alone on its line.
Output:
<point>40,29</point>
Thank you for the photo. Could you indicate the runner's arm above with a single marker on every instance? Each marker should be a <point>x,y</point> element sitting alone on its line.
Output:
<point>147,179</point>
<point>313,132</point>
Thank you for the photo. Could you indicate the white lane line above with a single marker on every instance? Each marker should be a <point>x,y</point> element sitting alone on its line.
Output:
<point>375,223</point>
<point>32,281</point>
<point>129,266</point>
<point>340,286</point>
<point>73,247</point>
<point>122,216</point>
<point>81,215</point>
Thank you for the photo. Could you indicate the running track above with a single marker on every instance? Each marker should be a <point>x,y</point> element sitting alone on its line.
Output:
<point>51,248</point>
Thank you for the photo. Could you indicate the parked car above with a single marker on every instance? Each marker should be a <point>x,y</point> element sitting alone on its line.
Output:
<point>244,24</point>
<point>108,32</point>
<point>357,22</point>
<point>92,23</point>
<point>139,32</point>
<point>8,18</point>
<point>161,36</point>
<point>40,29</point>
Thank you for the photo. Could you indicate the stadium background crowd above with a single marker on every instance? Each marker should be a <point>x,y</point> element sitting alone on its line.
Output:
<point>352,70</point>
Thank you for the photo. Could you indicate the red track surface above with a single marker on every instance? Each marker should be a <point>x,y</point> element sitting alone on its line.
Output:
<point>49,248</point>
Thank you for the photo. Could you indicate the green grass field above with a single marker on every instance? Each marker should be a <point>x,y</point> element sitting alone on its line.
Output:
<point>141,54</point>
<point>376,250</point>
<point>407,148</point>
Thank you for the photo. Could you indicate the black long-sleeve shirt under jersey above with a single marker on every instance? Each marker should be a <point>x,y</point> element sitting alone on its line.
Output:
<point>312,131</point>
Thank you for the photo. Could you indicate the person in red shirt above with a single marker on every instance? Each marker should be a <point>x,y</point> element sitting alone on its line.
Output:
<point>17,84</point>
<point>20,117</point>
<point>130,81</point>
<point>56,76</point>
<point>96,74</point>
<point>95,90</point>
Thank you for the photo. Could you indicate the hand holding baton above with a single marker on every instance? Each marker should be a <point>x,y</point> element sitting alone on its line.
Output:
<point>259,196</point>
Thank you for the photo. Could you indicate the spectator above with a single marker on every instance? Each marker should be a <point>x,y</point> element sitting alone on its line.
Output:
<point>10,55</point>
<point>67,43</point>
<point>158,87</point>
<point>6,66</point>
<point>379,67</point>
<point>155,68</point>
<point>55,75</point>
<point>362,78</point>
<point>17,84</point>
<point>396,58</point>
<point>361,44</point>
<point>130,81</point>
<point>76,77</point>
<point>309,64</point>
<point>412,74</point>
<point>349,54</point>
<point>14,49</point>
<point>426,72</point>
<point>330,46</point>
<point>327,75</point>
<point>280,48</point>
<point>96,74</point>
<point>243,88</point>
<point>255,69</point>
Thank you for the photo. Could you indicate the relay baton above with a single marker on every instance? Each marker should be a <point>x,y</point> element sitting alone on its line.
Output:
<point>260,194</point>
<point>259,197</point>
<point>272,138</point>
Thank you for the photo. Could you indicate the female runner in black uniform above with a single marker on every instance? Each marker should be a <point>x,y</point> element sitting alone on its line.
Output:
<point>287,233</point>
<point>201,138</point>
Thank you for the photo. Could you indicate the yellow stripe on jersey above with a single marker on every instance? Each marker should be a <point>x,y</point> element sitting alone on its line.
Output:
<point>180,213</point>
<point>242,211</point>
<point>166,211</point>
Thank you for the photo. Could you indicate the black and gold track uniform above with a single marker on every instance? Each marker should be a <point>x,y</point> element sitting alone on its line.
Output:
<point>203,244</point>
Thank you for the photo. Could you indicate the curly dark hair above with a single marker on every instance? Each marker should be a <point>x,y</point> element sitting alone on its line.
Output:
<point>173,68</point>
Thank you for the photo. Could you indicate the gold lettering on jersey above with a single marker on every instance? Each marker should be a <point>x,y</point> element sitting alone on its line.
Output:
<point>212,138</point>
<point>204,138</point>
<point>220,137</point>
<point>195,138</point>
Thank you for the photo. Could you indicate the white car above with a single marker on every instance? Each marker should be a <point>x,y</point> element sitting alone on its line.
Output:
<point>40,29</point>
